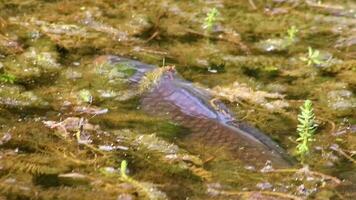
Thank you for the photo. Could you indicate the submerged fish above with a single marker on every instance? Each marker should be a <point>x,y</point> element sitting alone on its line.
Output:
<point>194,108</point>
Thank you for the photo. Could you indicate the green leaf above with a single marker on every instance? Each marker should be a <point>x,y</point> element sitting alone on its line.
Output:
<point>85,95</point>
<point>123,169</point>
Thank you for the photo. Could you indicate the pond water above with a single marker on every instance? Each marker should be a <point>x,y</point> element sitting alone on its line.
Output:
<point>73,127</point>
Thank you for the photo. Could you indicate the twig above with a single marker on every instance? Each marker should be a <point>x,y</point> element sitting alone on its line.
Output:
<point>3,23</point>
<point>341,152</point>
<point>151,51</point>
<point>332,124</point>
<point>268,193</point>
<point>153,36</point>
<point>306,170</point>
<point>240,44</point>
<point>252,4</point>
<point>324,6</point>
<point>91,147</point>
<point>339,195</point>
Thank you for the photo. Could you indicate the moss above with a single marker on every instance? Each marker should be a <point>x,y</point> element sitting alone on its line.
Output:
<point>51,55</point>
<point>14,96</point>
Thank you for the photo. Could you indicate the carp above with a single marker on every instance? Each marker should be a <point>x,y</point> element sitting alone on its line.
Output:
<point>166,94</point>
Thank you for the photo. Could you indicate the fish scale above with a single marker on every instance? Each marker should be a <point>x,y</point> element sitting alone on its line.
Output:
<point>212,125</point>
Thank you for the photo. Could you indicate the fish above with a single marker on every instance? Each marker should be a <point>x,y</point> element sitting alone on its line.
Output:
<point>208,119</point>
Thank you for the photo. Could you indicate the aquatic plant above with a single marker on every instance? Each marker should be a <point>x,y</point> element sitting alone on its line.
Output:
<point>306,129</point>
<point>125,69</point>
<point>292,33</point>
<point>314,58</point>
<point>85,96</point>
<point>279,44</point>
<point>123,169</point>
<point>210,19</point>
<point>238,92</point>
<point>35,164</point>
<point>152,78</point>
<point>146,189</point>
<point>7,78</point>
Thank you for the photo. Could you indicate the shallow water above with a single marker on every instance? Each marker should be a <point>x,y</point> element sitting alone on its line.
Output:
<point>69,118</point>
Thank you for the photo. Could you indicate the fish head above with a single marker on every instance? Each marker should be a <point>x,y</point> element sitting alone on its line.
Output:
<point>133,70</point>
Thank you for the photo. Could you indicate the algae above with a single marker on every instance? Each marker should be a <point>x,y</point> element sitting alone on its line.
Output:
<point>54,90</point>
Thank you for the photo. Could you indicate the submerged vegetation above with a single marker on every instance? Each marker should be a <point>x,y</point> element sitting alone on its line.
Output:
<point>292,33</point>
<point>72,127</point>
<point>306,129</point>
<point>210,20</point>
<point>147,189</point>
<point>314,57</point>
<point>7,78</point>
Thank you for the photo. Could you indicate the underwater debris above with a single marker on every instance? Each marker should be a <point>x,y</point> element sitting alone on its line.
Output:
<point>72,74</point>
<point>46,60</point>
<point>333,9</point>
<point>273,45</point>
<point>336,148</point>
<point>265,195</point>
<point>60,29</point>
<point>5,137</point>
<point>279,44</point>
<point>16,97</point>
<point>348,43</point>
<point>9,46</point>
<point>68,36</point>
<point>166,152</point>
<point>93,110</point>
<point>101,27</point>
<point>237,92</point>
<point>49,28</point>
<point>36,64</point>
<point>17,186</point>
<point>73,178</point>
<point>305,172</point>
<point>71,124</point>
<point>169,152</point>
<point>341,100</point>
<point>125,31</point>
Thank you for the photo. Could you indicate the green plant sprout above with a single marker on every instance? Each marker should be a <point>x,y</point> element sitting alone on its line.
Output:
<point>85,96</point>
<point>164,61</point>
<point>7,78</point>
<point>306,129</point>
<point>314,57</point>
<point>292,33</point>
<point>210,19</point>
<point>146,189</point>
<point>123,169</point>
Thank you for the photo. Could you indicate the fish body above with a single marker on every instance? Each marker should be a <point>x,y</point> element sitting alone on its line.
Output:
<point>209,121</point>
